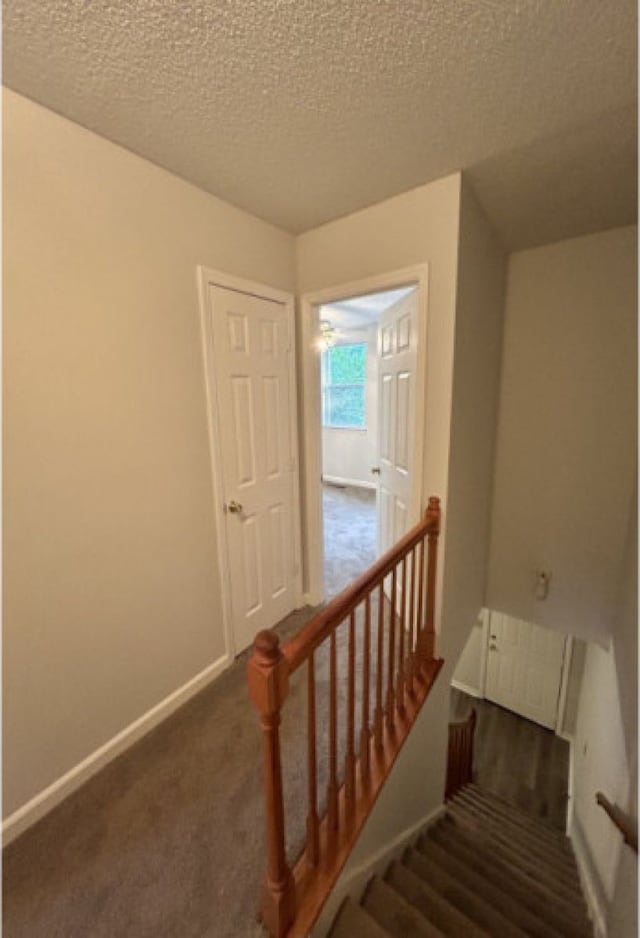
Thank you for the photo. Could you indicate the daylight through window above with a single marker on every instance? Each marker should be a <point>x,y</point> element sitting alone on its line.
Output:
<point>344,372</point>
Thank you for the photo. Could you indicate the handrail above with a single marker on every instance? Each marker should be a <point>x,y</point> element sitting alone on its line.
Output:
<point>298,648</point>
<point>625,824</point>
<point>389,617</point>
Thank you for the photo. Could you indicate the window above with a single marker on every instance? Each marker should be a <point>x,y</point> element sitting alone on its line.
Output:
<point>344,371</point>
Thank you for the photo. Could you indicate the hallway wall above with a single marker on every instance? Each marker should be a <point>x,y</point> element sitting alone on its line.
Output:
<point>111,591</point>
<point>566,456</point>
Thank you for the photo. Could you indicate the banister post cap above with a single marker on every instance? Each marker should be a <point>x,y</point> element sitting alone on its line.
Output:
<point>433,513</point>
<point>267,673</point>
<point>267,645</point>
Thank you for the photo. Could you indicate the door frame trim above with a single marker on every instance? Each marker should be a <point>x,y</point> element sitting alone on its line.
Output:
<point>208,276</point>
<point>418,276</point>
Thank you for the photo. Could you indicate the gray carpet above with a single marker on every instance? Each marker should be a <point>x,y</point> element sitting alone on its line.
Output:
<point>168,840</point>
<point>349,535</point>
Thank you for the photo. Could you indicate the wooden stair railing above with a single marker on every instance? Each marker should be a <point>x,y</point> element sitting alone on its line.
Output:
<point>460,755</point>
<point>388,613</point>
<point>625,824</point>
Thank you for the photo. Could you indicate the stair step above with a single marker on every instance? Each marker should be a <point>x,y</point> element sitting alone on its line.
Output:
<point>475,907</point>
<point>497,801</point>
<point>562,861</point>
<point>352,921</point>
<point>565,916</point>
<point>431,904</point>
<point>510,853</point>
<point>395,914</point>
<point>564,873</point>
<point>555,840</point>
<point>504,902</point>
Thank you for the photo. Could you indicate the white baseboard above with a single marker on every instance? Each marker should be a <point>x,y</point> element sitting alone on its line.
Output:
<point>593,892</point>
<point>354,884</point>
<point>353,483</point>
<point>49,797</point>
<point>467,689</point>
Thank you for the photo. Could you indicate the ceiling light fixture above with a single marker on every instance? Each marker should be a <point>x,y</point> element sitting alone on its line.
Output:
<point>328,334</point>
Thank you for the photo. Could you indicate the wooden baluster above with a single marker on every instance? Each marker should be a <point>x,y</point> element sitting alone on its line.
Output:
<point>419,622</point>
<point>350,755</point>
<point>379,711</point>
<point>366,671</point>
<point>392,651</point>
<point>268,676</point>
<point>412,626</point>
<point>472,735</point>
<point>401,642</point>
<point>332,786</point>
<point>313,841</point>
<point>433,513</point>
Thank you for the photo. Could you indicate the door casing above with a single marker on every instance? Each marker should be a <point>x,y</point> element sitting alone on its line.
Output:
<point>207,276</point>
<point>312,405</point>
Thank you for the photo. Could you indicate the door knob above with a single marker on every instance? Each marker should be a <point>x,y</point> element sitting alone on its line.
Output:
<point>375,470</point>
<point>493,647</point>
<point>234,507</point>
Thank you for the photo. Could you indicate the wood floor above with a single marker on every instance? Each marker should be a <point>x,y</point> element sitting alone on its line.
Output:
<point>517,759</point>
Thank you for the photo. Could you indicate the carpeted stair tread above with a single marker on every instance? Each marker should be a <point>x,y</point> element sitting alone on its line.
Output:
<point>445,916</point>
<point>510,853</point>
<point>483,870</point>
<point>511,811</point>
<point>352,921</point>
<point>503,901</point>
<point>475,907</point>
<point>497,801</point>
<point>519,847</point>
<point>559,859</point>
<point>567,917</point>
<point>397,916</point>
<point>558,844</point>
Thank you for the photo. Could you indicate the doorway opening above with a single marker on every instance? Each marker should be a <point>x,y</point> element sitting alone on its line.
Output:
<point>367,346</point>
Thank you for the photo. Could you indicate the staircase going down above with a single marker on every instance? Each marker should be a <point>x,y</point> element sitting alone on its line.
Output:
<point>484,870</point>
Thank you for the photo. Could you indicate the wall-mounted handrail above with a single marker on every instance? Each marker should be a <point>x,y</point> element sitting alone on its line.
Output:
<point>625,824</point>
<point>378,669</point>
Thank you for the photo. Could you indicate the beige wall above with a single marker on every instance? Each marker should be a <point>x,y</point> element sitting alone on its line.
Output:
<point>567,431</point>
<point>469,672</point>
<point>111,590</point>
<point>600,764</point>
<point>605,754</point>
<point>476,376</point>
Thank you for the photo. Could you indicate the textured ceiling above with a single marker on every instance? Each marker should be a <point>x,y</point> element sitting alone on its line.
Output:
<point>304,110</point>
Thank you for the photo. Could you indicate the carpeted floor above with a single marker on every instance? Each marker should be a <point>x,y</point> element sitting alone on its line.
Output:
<point>167,841</point>
<point>349,535</point>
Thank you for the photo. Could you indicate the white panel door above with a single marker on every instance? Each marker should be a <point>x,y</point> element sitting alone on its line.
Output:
<point>524,668</point>
<point>397,354</point>
<point>251,361</point>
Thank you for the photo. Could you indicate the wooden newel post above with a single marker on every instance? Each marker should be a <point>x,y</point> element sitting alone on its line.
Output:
<point>268,675</point>
<point>432,515</point>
